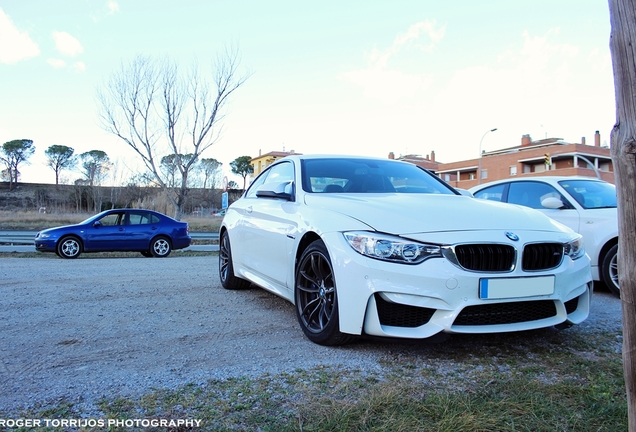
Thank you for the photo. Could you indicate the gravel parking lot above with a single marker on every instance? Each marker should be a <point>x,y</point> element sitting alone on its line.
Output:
<point>100,327</point>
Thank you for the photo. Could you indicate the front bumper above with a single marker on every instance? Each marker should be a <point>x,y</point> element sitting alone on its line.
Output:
<point>418,301</point>
<point>45,245</point>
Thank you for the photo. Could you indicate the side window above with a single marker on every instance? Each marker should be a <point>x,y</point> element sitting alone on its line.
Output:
<point>530,194</point>
<point>154,219</point>
<point>112,219</point>
<point>137,219</point>
<point>278,173</point>
<point>493,193</point>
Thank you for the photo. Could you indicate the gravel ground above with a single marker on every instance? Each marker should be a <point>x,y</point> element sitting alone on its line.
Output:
<point>90,328</point>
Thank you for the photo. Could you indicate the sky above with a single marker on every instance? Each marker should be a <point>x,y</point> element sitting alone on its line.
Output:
<point>347,77</point>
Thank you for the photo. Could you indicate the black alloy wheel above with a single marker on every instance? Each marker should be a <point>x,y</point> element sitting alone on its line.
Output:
<point>609,271</point>
<point>226,269</point>
<point>316,297</point>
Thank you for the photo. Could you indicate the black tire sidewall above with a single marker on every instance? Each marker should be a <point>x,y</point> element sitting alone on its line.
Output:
<point>605,270</point>
<point>330,335</point>
<point>230,282</point>
<point>152,247</point>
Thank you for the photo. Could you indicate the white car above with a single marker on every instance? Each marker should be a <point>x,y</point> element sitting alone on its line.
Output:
<point>587,205</point>
<point>383,248</point>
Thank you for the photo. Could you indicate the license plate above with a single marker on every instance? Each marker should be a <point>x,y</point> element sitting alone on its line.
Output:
<point>504,288</point>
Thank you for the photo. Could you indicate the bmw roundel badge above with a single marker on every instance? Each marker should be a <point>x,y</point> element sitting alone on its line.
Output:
<point>512,236</point>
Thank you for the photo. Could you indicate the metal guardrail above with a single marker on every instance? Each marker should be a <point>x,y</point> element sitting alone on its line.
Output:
<point>28,237</point>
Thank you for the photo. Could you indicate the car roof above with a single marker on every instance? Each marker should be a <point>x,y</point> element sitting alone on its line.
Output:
<point>546,179</point>
<point>335,156</point>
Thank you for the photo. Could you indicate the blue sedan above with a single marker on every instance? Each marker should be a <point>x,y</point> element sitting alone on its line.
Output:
<point>131,230</point>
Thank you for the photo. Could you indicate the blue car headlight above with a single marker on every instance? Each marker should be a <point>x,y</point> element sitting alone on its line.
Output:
<point>574,248</point>
<point>391,248</point>
<point>42,236</point>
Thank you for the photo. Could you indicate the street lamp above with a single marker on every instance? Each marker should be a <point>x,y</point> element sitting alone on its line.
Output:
<point>480,141</point>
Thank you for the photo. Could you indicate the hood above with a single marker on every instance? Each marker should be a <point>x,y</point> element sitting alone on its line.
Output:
<point>423,213</point>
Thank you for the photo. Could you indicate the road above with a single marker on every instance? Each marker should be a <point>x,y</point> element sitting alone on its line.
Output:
<point>79,330</point>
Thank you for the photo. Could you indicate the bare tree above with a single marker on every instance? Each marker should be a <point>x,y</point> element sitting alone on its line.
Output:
<point>169,168</point>
<point>95,166</point>
<point>156,110</point>
<point>623,139</point>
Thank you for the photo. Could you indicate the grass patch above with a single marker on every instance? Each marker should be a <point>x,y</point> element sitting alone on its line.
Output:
<point>457,385</point>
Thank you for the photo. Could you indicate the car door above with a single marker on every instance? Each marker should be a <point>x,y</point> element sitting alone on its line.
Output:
<point>533,193</point>
<point>141,226</point>
<point>264,240</point>
<point>107,233</point>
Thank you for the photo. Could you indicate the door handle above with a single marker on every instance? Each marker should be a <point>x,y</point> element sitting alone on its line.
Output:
<point>249,209</point>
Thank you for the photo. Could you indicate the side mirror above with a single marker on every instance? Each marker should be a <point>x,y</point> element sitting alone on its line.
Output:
<point>284,190</point>
<point>552,203</point>
<point>97,224</point>
<point>465,192</point>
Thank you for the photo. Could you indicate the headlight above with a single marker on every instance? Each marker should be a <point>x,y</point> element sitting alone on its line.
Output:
<point>42,235</point>
<point>574,249</point>
<point>390,248</point>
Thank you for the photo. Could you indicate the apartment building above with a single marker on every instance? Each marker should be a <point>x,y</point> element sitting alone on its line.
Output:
<point>550,156</point>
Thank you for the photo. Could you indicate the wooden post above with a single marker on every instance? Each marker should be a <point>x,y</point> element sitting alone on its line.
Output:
<point>623,141</point>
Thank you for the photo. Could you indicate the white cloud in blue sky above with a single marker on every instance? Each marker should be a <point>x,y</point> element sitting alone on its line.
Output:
<point>15,44</point>
<point>67,44</point>
<point>346,77</point>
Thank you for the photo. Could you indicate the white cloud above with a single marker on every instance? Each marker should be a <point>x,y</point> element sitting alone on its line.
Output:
<point>380,82</point>
<point>113,6</point>
<point>380,58</point>
<point>56,63</point>
<point>67,44</point>
<point>79,66</point>
<point>14,45</point>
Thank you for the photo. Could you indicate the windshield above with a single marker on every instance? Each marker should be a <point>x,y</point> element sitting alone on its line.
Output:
<point>591,194</point>
<point>350,175</point>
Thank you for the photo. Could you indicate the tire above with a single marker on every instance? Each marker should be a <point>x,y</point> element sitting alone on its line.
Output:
<point>226,269</point>
<point>69,248</point>
<point>160,247</point>
<point>316,297</point>
<point>147,254</point>
<point>609,270</point>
